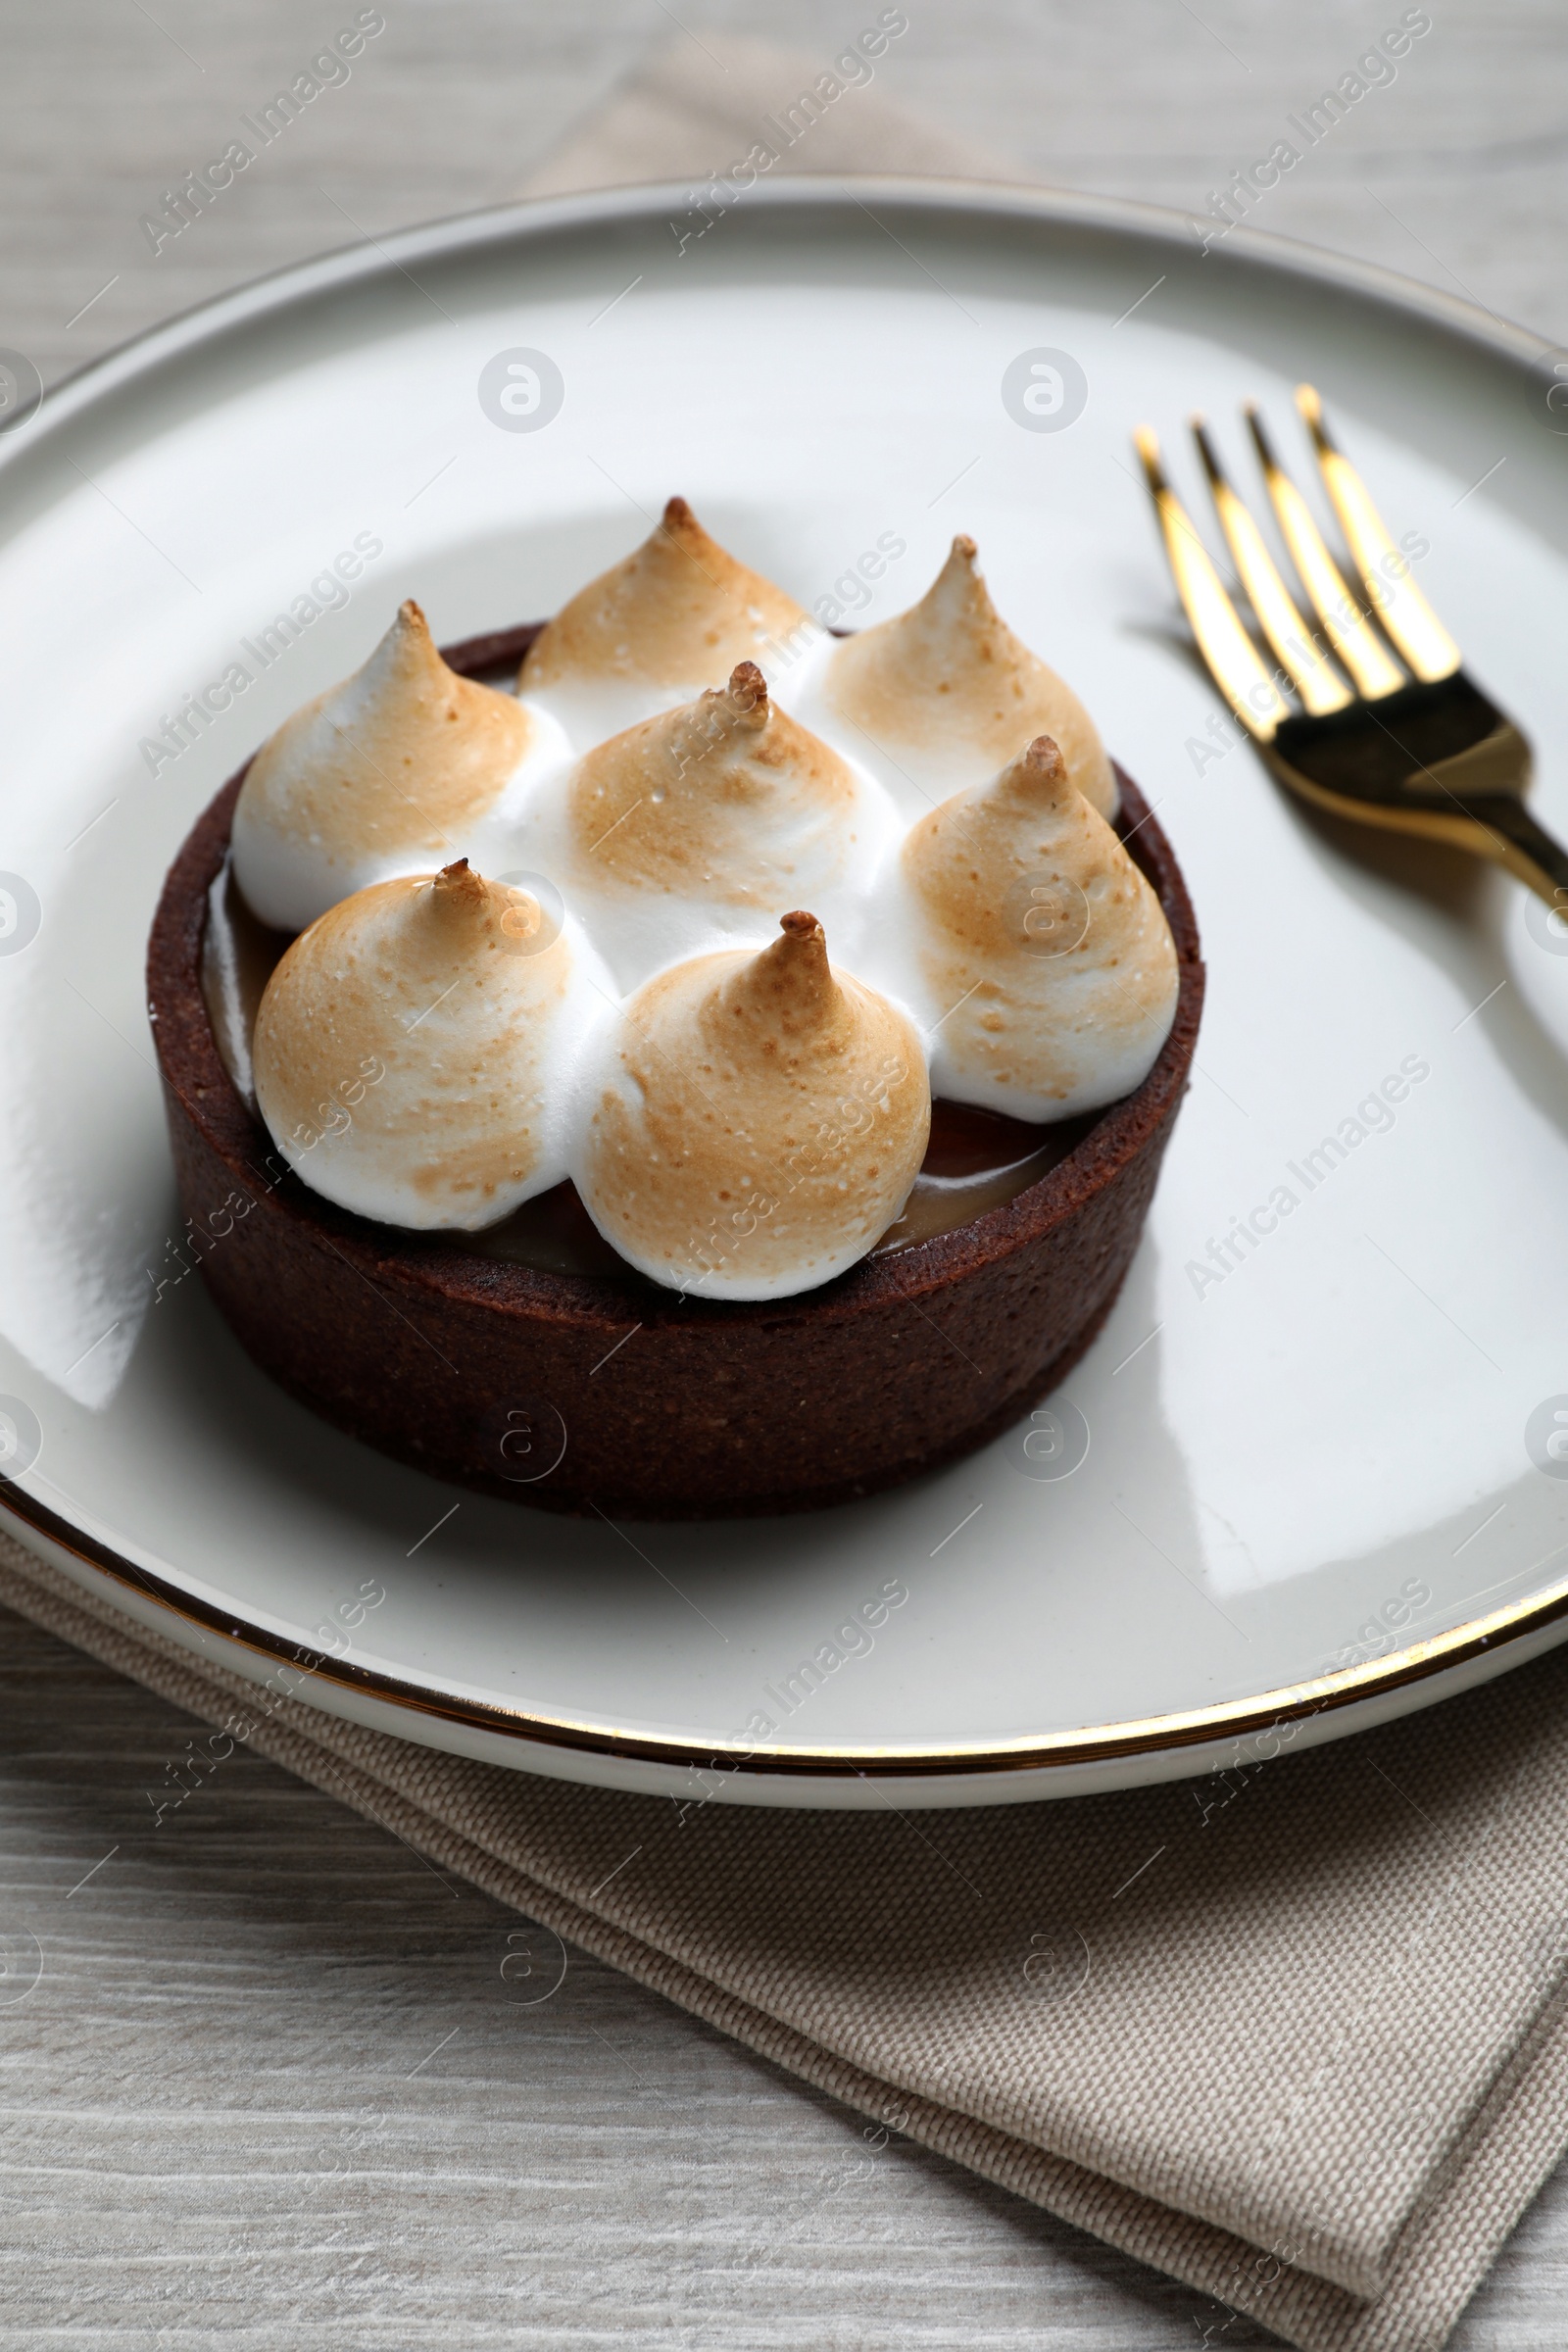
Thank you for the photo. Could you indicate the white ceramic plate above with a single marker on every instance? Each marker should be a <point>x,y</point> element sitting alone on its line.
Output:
<point>1308,1499</point>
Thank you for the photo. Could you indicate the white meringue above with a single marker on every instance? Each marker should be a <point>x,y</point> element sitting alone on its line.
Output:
<point>941,696</point>
<point>694,827</point>
<point>671,618</point>
<point>438,1047</point>
<point>756,1124</point>
<point>413,1051</point>
<point>1045,960</point>
<point>395,769</point>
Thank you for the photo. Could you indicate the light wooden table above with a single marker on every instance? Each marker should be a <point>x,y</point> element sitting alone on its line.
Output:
<point>274,2089</point>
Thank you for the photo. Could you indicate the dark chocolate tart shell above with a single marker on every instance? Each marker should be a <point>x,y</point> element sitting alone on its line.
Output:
<point>502,1377</point>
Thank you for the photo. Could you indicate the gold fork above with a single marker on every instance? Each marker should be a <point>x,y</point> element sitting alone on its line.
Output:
<point>1420,753</point>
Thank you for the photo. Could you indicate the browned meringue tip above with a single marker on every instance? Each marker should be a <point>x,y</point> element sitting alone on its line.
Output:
<point>680,526</point>
<point>1043,758</point>
<point>791,976</point>
<point>677,609</point>
<point>412,614</point>
<point>684,535</point>
<point>964,565</point>
<point>959,593</point>
<point>1038,777</point>
<point>748,691</point>
<point>458,885</point>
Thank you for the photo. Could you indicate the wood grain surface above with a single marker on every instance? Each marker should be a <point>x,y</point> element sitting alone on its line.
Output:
<point>280,2083</point>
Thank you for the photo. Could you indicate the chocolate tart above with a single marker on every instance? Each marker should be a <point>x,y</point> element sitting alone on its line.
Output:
<point>581,1390</point>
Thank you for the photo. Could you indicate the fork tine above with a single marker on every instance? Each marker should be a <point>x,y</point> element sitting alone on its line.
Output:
<point>1317,682</point>
<point>1344,623</point>
<point>1232,657</point>
<point>1384,573</point>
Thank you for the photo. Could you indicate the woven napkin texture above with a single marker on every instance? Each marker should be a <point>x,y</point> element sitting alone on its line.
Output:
<point>696,108</point>
<point>1293,2032</point>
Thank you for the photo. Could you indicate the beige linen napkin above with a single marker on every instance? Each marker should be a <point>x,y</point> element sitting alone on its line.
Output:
<point>699,106</point>
<point>1293,2032</point>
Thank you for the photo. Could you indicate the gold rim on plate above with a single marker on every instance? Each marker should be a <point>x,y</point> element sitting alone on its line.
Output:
<point>1153,1734</point>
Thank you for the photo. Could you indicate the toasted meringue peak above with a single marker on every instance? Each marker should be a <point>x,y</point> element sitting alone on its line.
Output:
<point>757,1123</point>
<point>414,1046</point>
<point>459,893</point>
<point>686,832</point>
<point>1038,778</point>
<point>1045,956</point>
<point>726,799</point>
<point>388,770</point>
<point>676,612</point>
<point>952,694</point>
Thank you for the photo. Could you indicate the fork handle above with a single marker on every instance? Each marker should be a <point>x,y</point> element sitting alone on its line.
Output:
<point>1524,847</point>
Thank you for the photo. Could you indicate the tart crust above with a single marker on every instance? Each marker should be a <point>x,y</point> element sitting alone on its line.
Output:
<point>510,1379</point>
